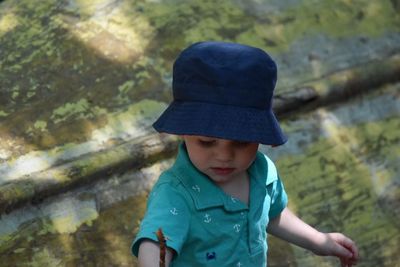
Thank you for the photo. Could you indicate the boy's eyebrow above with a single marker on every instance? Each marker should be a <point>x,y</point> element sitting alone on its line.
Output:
<point>206,138</point>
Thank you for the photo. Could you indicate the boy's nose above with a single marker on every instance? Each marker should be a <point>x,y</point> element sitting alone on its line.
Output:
<point>225,153</point>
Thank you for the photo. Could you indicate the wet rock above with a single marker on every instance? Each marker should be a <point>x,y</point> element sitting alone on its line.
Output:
<point>389,202</point>
<point>82,81</point>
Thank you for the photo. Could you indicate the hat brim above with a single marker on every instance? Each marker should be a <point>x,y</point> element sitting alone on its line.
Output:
<point>220,121</point>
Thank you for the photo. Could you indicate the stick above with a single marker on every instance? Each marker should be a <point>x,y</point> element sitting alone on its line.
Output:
<point>162,241</point>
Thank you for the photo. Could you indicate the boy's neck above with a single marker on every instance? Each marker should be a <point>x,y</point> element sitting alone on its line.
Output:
<point>238,188</point>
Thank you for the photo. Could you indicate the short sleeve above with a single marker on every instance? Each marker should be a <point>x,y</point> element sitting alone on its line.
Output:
<point>279,198</point>
<point>276,190</point>
<point>168,210</point>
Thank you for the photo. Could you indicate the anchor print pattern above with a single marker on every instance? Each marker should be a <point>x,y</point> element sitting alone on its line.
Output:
<point>174,211</point>
<point>207,218</point>
<point>196,188</point>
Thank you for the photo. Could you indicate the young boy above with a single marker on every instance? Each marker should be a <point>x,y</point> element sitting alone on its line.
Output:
<point>220,198</point>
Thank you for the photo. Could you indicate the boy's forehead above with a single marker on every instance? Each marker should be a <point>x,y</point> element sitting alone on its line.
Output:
<point>211,138</point>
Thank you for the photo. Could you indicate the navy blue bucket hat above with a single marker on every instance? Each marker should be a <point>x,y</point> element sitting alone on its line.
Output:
<point>223,90</point>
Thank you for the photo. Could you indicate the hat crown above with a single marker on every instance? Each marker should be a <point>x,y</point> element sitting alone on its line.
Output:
<point>225,73</point>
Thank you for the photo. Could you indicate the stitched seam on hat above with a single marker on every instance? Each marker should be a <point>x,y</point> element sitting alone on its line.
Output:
<point>219,104</point>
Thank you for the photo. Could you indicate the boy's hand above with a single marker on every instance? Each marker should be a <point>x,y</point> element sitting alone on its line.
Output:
<point>289,227</point>
<point>336,244</point>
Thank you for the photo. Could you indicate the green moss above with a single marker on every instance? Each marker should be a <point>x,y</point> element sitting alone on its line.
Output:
<point>4,239</point>
<point>78,110</point>
<point>70,224</point>
<point>3,113</point>
<point>192,21</point>
<point>132,119</point>
<point>378,138</point>
<point>40,125</point>
<point>15,191</point>
<point>144,108</point>
<point>360,18</point>
<point>7,23</point>
<point>124,88</point>
<point>15,92</point>
<point>98,239</point>
<point>87,7</point>
<point>330,184</point>
<point>45,258</point>
<point>70,109</point>
<point>30,94</point>
<point>28,37</point>
<point>19,250</point>
<point>83,69</point>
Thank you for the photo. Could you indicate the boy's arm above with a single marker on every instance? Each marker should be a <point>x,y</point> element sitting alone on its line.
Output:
<point>289,227</point>
<point>149,254</point>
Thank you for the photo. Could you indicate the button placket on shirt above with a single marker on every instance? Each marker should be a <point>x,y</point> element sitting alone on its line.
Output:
<point>235,204</point>
<point>238,228</point>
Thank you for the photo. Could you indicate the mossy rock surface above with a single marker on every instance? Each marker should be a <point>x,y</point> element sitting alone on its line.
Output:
<point>81,77</point>
<point>340,170</point>
<point>67,65</point>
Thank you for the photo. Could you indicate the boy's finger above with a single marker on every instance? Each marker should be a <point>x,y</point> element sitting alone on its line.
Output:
<point>350,248</point>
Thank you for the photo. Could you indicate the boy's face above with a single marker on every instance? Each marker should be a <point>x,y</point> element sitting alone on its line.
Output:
<point>221,160</point>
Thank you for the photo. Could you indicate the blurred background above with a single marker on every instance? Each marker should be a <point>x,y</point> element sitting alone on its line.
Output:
<point>81,82</point>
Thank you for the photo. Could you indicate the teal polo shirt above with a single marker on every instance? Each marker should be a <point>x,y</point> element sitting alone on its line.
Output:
<point>204,225</point>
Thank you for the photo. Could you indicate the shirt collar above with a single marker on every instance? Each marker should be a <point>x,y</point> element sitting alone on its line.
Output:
<point>204,192</point>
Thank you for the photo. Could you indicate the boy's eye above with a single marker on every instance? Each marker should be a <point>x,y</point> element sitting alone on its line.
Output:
<point>239,143</point>
<point>206,143</point>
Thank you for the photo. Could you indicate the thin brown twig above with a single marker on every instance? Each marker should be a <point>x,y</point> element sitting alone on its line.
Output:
<point>162,241</point>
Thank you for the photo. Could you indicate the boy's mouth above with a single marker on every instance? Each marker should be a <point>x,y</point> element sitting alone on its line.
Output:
<point>222,171</point>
